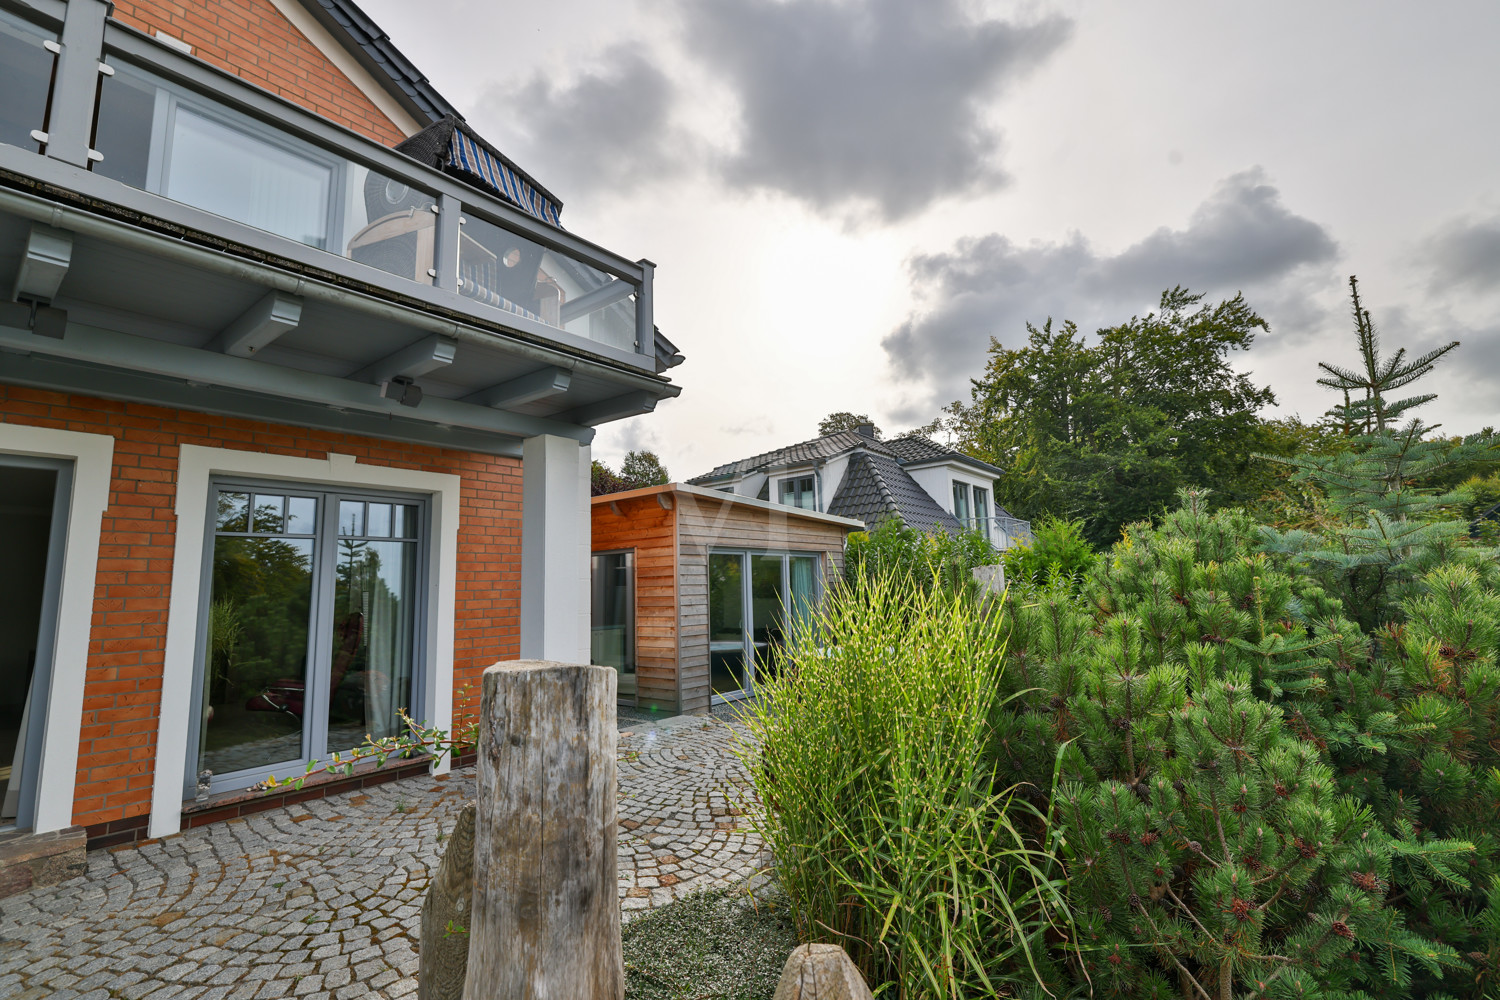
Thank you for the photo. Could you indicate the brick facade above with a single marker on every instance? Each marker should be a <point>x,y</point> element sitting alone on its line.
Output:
<point>129,625</point>
<point>253,40</point>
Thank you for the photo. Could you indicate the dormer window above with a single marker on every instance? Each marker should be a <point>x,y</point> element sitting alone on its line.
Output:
<point>961,503</point>
<point>799,492</point>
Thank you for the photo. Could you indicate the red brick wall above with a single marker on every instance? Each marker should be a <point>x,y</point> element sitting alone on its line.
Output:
<point>252,39</point>
<point>122,692</point>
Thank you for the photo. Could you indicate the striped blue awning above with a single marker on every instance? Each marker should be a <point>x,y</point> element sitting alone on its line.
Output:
<point>468,156</point>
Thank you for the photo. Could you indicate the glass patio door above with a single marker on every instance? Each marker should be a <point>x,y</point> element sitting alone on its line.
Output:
<point>309,629</point>
<point>751,596</point>
<point>612,607</point>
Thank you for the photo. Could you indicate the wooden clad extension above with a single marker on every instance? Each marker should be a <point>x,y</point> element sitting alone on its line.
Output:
<point>671,530</point>
<point>644,525</point>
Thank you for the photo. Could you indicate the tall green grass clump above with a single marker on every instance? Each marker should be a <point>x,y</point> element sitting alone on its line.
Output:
<point>870,753</point>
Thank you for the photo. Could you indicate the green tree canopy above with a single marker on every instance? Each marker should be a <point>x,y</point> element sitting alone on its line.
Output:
<point>1107,429</point>
<point>643,468</point>
<point>844,421</point>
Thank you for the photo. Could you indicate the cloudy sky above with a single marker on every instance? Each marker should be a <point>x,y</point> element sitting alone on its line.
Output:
<point>846,199</point>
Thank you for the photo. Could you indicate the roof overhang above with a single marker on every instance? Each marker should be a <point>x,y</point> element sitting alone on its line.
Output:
<point>733,499</point>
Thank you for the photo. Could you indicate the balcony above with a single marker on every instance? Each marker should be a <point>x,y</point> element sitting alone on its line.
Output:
<point>171,233</point>
<point>1002,531</point>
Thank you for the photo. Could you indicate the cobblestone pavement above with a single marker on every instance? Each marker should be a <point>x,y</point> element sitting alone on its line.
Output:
<point>324,898</point>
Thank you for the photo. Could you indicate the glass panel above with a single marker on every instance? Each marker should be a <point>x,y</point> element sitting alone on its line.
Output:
<point>25,81</point>
<point>233,508</point>
<point>612,640</point>
<point>234,173</point>
<point>26,496</point>
<point>510,272</point>
<point>726,623</point>
<point>961,502</point>
<point>301,515</point>
<point>373,638</point>
<point>982,510</point>
<point>255,674</point>
<point>767,611</point>
<point>378,523</point>
<point>268,515</point>
<point>406,521</point>
<point>159,138</point>
<point>351,517</point>
<point>807,495</point>
<point>803,575</point>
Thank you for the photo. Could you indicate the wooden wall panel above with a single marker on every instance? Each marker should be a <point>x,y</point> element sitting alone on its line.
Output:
<point>645,527</point>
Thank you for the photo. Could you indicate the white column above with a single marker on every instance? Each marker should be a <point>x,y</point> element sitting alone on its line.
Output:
<point>555,538</point>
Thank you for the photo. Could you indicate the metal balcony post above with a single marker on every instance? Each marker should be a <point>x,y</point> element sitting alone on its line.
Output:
<point>449,228</point>
<point>72,117</point>
<point>645,323</point>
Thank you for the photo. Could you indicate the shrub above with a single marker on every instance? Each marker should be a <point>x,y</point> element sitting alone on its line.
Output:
<point>1057,549</point>
<point>1192,695</point>
<point>881,811</point>
<point>921,559</point>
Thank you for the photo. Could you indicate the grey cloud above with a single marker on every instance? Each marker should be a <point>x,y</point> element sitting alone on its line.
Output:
<point>1466,253</point>
<point>609,130</point>
<point>1242,238</point>
<point>866,104</point>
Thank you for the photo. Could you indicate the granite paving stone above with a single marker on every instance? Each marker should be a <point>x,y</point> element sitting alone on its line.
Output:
<point>323,898</point>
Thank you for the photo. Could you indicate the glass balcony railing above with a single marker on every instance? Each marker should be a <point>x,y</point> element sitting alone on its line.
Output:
<point>163,123</point>
<point>506,270</point>
<point>171,142</point>
<point>28,59</point>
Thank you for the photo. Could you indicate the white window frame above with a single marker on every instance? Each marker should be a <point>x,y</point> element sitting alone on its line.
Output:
<point>197,466</point>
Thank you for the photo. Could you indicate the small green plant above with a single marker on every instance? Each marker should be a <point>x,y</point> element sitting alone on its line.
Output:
<point>402,806</point>
<point>455,929</point>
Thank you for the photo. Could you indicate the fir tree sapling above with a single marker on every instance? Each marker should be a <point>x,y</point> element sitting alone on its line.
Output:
<point>1392,528</point>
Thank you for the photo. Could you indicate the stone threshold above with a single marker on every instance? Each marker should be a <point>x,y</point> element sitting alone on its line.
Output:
<point>31,859</point>
<point>236,804</point>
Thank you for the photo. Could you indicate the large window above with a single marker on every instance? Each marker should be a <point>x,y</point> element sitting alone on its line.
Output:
<point>961,503</point>
<point>752,597</point>
<point>310,626</point>
<point>612,637</point>
<point>982,511</point>
<point>800,492</point>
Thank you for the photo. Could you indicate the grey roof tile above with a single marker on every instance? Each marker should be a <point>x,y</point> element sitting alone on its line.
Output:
<point>821,448</point>
<point>875,487</point>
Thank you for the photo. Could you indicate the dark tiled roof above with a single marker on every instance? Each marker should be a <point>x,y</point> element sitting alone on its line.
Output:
<point>817,449</point>
<point>875,487</point>
<point>915,448</point>
<point>379,54</point>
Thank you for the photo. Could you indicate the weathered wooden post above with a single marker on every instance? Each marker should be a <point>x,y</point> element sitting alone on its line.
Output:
<point>821,972</point>
<point>445,916</point>
<point>546,913</point>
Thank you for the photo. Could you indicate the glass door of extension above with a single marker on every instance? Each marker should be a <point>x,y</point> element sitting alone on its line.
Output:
<point>752,596</point>
<point>612,636</point>
<point>309,631</point>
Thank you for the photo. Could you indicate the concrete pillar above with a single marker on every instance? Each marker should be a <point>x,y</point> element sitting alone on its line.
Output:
<point>555,537</point>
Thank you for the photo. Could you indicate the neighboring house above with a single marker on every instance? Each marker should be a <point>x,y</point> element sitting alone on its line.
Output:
<point>853,474</point>
<point>692,588</point>
<point>294,426</point>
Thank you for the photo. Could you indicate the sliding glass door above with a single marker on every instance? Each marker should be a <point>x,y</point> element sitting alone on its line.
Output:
<point>753,597</point>
<point>309,629</point>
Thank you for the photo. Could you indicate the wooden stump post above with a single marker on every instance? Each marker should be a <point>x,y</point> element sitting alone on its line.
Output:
<point>450,899</point>
<point>546,916</point>
<point>821,972</point>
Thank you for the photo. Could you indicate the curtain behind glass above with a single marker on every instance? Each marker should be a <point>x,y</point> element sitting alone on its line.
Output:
<point>241,177</point>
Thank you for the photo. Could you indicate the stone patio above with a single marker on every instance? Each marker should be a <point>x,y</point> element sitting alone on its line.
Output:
<point>323,898</point>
